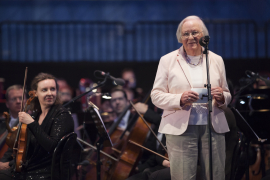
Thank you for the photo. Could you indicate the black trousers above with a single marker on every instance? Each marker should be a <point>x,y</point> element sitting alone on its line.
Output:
<point>162,174</point>
<point>267,175</point>
<point>145,175</point>
<point>6,174</point>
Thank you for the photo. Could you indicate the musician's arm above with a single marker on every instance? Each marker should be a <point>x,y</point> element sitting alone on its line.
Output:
<point>62,125</point>
<point>149,163</point>
<point>152,117</point>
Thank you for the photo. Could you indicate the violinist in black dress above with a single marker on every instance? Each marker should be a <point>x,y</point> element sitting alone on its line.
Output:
<point>47,125</point>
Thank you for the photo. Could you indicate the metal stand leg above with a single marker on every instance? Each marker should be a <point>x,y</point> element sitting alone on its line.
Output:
<point>99,143</point>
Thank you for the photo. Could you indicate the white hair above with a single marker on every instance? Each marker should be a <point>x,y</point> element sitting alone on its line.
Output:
<point>179,29</point>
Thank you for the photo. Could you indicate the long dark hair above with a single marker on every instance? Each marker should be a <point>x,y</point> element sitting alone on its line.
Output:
<point>35,104</point>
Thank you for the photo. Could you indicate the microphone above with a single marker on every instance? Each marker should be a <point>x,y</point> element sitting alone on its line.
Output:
<point>116,81</point>
<point>251,74</point>
<point>204,41</point>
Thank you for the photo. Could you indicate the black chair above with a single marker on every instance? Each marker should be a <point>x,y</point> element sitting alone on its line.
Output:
<point>61,161</point>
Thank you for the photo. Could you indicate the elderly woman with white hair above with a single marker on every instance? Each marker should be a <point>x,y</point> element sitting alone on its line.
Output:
<point>184,121</point>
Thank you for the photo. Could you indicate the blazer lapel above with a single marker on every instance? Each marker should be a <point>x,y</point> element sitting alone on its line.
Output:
<point>183,64</point>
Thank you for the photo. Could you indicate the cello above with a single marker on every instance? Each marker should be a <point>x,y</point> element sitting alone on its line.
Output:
<point>131,153</point>
<point>112,153</point>
<point>4,136</point>
<point>108,166</point>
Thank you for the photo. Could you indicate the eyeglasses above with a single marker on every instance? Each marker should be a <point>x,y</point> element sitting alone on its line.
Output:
<point>117,99</point>
<point>193,33</point>
<point>65,94</point>
<point>15,99</point>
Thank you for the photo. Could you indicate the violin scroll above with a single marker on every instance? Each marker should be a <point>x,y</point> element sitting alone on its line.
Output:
<point>7,117</point>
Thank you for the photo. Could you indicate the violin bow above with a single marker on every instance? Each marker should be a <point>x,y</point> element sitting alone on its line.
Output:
<point>25,77</point>
<point>19,125</point>
<point>93,147</point>
<point>149,127</point>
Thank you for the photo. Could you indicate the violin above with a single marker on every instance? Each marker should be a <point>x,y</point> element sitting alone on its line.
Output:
<point>17,136</point>
<point>22,139</point>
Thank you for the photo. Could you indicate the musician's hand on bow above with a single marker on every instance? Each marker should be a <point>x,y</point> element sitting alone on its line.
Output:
<point>25,118</point>
<point>189,97</point>
<point>141,107</point>
<point>166,163</point>
<point>79,167</point>
<point>217,93</point>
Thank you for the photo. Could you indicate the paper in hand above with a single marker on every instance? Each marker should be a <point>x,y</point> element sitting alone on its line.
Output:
<point>202,93</point>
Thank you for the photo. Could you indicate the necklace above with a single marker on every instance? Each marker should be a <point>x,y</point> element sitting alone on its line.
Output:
<point>189,60</point>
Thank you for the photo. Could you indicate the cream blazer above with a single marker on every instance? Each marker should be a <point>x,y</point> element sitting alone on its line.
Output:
<point>173,79</point>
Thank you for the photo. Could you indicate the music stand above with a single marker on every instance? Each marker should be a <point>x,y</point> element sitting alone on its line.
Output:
<point>87,126</point>
<point>250,134</point>
<point>104,138</point>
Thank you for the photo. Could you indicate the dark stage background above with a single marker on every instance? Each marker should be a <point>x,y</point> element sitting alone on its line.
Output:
<point>145,71</point>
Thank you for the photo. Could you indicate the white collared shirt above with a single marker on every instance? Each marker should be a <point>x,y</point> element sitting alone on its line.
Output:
<point>12,121</point>
<point>124,123</point>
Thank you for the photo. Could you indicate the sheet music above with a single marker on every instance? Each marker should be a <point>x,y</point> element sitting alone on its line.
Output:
<point>99,116</point>
<point>201,92</point>
<point>101,120</point>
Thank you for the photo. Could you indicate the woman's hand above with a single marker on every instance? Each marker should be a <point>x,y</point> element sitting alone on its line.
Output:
<point>4,165</point>
<point>217,93</point>
<point>25,118</point>
<point>189,97</point>
<point>166,163</point>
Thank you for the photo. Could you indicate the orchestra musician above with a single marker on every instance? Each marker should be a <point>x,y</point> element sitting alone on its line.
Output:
<point>130,87</point>
<point>45,127</point>
<point>184,122</point>
<point>13,102</point>
<point>119,102</point>
<point>155,167</point>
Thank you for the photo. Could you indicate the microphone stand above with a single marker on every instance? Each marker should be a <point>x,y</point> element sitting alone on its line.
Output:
<point>257,76</point>
<point>81,95</point>
<point>208,85</point>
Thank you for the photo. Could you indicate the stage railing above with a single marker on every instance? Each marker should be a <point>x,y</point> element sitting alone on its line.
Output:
<point>62,41</point>
<point>267,39</point>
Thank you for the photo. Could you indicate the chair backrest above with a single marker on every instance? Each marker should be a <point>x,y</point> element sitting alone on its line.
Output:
<point>61,160</point>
